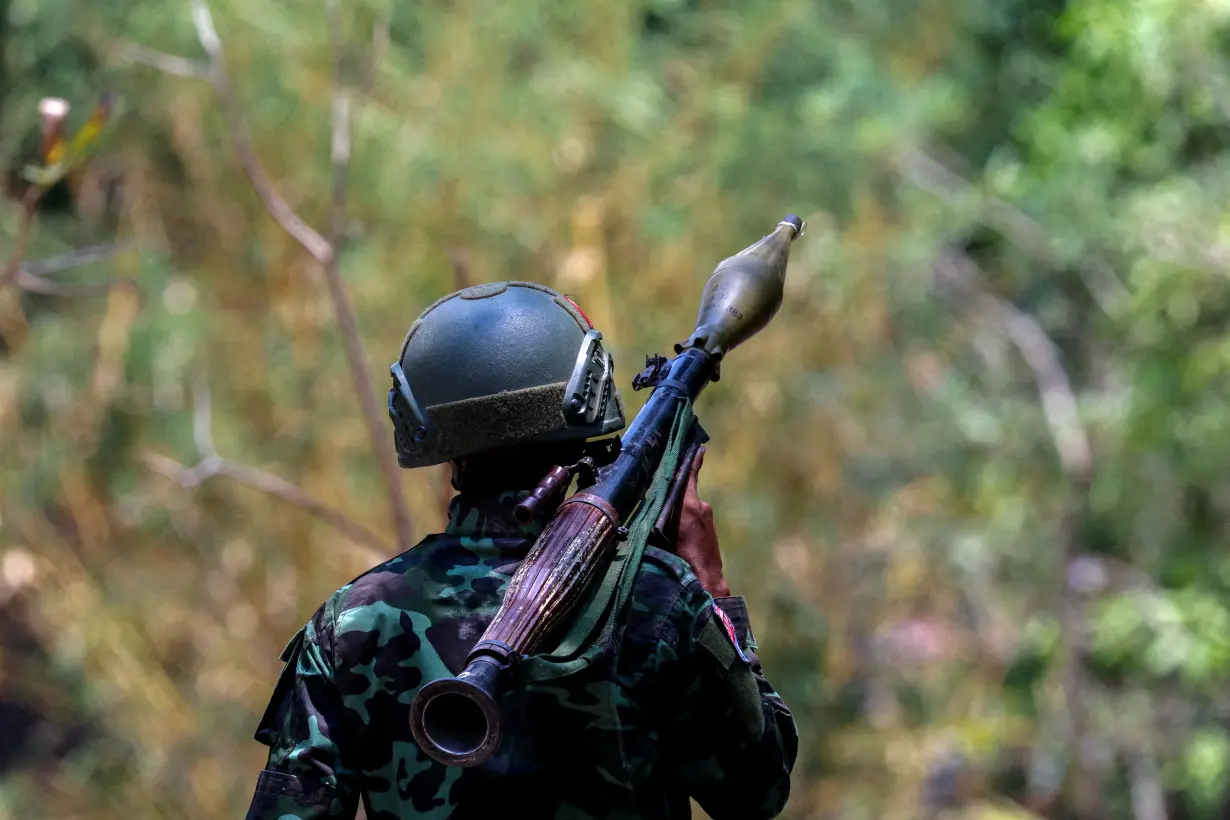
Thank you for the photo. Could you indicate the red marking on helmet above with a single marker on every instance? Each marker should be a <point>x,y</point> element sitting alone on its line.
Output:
<point>578,307</point>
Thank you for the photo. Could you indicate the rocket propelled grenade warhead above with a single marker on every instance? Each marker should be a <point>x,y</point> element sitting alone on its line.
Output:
<point>744,292</point>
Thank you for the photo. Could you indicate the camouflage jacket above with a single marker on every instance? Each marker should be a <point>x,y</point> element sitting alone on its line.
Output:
<point>678,708</point>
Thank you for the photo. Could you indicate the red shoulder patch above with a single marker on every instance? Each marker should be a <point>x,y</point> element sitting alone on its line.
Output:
<point>730,631</point>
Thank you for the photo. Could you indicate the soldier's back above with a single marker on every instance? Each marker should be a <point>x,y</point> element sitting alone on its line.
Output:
<point>586,746</point>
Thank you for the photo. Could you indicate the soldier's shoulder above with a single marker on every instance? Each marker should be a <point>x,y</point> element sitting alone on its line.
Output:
<point>368,585</point>
<point>382,587</point>
<point>662,568</point>
<point>665,598</point>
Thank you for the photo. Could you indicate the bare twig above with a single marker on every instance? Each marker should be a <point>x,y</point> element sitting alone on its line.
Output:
<point>188,478</point>
<point>36,284</point>
<point>30,275</point>
<point>938,178</point>
<point>374,549</point>
<point>203,419</point>
<point>300,231</point>
<point>1076,458</point>
<point>1148,794</point>
<point>340,154</point>
<point>324,251</point>
<point>380,44</point>
<point>74,259</point>
<point>1043,358</point>
<point>207,34</point>
<point>212,465</point>
<point>135,54</point>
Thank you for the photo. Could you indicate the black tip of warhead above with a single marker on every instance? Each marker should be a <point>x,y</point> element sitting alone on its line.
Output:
<point>795,222</point>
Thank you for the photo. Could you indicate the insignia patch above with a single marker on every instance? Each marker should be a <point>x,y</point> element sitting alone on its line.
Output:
<point>730,632</point>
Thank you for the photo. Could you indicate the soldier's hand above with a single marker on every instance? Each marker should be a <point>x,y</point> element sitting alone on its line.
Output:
<point>697,542</point>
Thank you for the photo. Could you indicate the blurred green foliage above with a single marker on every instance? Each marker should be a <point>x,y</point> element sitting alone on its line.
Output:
<point>963,627</point>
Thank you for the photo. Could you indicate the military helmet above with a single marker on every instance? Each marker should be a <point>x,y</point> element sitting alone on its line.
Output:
<point>497,365</point>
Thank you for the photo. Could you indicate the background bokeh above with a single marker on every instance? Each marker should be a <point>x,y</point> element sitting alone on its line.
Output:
<point>973,480</point>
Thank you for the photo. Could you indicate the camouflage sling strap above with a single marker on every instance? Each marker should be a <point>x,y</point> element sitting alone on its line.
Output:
<point>593,631</point>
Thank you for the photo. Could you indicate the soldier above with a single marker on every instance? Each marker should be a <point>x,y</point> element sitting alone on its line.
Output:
<point>670,713</point>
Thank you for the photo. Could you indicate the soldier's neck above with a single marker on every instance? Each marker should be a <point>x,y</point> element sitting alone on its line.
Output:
<point>512,470</point>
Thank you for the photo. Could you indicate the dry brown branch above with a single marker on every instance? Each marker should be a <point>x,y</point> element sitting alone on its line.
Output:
<point>340,155</point>
<point>300,231</point>
<point>324,251</point>
<point>211,464</point>
<point>1023,231</point>
<point>1075,454</point>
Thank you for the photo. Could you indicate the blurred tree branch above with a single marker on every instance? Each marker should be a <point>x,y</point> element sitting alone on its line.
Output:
<point>379,45</point>
<point>1075,454</point>
<point>32,276</point>
<point>324,251</point>
<point>1042,356</point>
<point>212,464</point>
<point>940,179</point>
<point>37,284</point>
<point>1148,793</point>
<point>300,231</point>
<point>74,258</point>
<point>136,54</point>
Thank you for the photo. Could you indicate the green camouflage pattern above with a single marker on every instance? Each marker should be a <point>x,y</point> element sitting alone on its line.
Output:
<point>671,710</point>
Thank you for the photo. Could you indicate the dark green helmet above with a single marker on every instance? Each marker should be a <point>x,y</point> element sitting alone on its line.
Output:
<point>496,365</point>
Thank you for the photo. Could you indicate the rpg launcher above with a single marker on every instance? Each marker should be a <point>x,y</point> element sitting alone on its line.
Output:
<point>456,720</point>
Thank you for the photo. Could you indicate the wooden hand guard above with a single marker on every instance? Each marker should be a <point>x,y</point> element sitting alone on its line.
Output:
<point>552,579</point>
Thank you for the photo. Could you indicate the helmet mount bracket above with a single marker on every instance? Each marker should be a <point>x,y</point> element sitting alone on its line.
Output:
<point>588,390</point>
<point>410,423</point>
